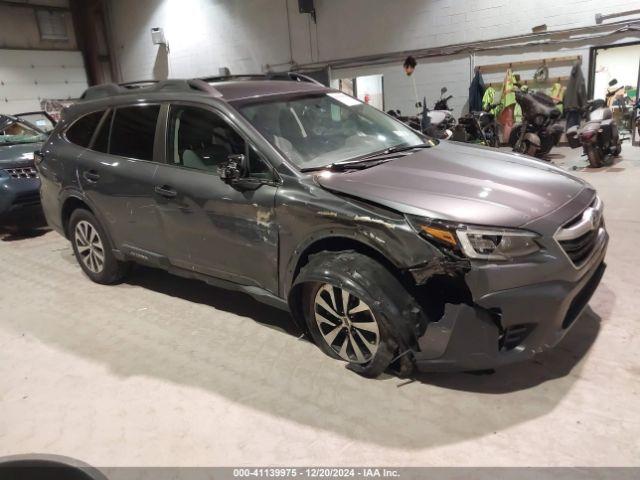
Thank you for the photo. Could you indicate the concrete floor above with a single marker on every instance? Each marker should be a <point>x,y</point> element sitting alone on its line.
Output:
<point>166,371</point>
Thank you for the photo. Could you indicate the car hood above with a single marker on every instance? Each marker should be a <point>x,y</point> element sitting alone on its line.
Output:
<point>17,155</point>
<point>462,183</point>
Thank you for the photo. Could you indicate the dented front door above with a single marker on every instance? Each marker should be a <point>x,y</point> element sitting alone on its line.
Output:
<point>215,229</point>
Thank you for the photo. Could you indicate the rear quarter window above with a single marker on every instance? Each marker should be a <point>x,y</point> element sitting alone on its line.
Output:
<point>81,131</point>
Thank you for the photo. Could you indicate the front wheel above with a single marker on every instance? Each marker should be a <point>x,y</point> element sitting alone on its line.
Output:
<point>358,312</point>
<point>525,147</point>
<point>515,134</point>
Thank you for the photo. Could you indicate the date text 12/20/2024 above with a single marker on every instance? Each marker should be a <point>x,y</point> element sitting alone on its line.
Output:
<point>303,473</point>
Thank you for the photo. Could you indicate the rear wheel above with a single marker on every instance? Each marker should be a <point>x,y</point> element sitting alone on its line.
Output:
<point>595,156</point>
<point>358,312</point>
<point>93,250</point>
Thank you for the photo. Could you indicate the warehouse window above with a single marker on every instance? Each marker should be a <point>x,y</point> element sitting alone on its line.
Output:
<point>82,130</point>
<point>133,132</point>
<point>52,25</point>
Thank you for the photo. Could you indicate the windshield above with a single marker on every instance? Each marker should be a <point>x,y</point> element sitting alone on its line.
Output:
<point>12,132</point>
<point>321,129</point>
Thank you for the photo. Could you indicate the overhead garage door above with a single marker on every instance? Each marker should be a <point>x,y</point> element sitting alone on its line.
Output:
<point>29,76</point>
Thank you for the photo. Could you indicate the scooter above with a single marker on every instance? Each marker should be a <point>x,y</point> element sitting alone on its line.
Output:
<point>478,127</point>
<point>539,132</point>
<point>599,137</point>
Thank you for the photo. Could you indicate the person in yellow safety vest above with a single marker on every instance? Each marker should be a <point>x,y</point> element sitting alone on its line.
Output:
<point>488,99</point>
<point>507,103</point>
<point>557,93</point>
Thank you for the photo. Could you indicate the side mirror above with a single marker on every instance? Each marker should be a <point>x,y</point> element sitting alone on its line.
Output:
<point>613,82</point>
<point>443,90</point>
<point>233,169</point>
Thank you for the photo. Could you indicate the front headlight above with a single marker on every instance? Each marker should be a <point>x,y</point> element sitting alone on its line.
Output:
<point>478,243</point>
<point>497,244</point>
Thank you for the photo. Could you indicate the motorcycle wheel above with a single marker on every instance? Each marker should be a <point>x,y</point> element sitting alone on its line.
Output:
<point>514,135</point>
<point>617,150</point>
<point>547,145</point>
<point>525,147</point>
<point>595,156</point>
<point>494,141</point>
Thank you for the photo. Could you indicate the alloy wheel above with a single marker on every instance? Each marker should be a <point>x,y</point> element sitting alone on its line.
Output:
<point>346,324</point>
<point>89,246</point>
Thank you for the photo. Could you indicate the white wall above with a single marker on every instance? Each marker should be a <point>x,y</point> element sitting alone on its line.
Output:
<point>454,72</point>
<point>430,76</point>
<point>246,35</point>
<point>203,36</point>
<point>27,77</point>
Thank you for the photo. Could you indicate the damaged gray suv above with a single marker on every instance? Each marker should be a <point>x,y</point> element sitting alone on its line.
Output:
<point>391,250</point>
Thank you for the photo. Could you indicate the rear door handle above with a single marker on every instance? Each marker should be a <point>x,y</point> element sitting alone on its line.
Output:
<point>91,176</point>
<point>165,191</point>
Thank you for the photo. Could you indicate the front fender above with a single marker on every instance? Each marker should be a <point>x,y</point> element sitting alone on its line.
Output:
<point>311,216</point>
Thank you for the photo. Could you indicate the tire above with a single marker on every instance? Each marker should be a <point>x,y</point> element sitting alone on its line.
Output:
<point>617,150</point>
<point>595,156</point>
<point>547,145</point>
<point>525,147</point>
<point>514,135</point>
<point>495,141</point>
<point>381,315</point>
<point>93,249</point>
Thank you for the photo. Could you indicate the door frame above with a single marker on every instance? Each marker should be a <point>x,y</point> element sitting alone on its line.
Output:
<point>593,52</point>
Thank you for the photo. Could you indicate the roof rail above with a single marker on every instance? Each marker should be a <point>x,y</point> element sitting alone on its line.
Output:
<point>294,76</point>
<point>112,89</point>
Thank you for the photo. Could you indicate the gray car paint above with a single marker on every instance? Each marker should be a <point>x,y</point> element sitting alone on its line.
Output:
<point>464,184</point>
<point>266,232</point>
<point>12,156</point>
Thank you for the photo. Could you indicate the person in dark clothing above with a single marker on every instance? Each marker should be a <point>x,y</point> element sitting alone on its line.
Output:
<point>575,97</point>
<point>476,92</point>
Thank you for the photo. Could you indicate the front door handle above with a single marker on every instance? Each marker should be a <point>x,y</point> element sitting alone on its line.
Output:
<point>165,191</point>
<point>91,176</point>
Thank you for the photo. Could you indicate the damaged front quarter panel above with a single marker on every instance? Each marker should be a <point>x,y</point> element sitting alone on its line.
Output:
<point>444,265</point>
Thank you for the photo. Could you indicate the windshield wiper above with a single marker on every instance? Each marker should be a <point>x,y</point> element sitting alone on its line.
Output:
<point>370,159</point>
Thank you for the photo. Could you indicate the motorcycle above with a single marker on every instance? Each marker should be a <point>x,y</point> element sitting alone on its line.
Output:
<point>599,137</point>
<point>636,109</point>
<point>539,132</point>
<point>478,127</point>
<point>439,122</point>
<point>436,123</point>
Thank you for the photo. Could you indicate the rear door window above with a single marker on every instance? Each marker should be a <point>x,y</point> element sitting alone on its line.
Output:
<point>133,131</point>
<point>101,142</point>
<point>82,129</point>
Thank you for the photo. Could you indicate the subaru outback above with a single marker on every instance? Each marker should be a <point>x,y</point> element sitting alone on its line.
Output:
<point>390,249</point>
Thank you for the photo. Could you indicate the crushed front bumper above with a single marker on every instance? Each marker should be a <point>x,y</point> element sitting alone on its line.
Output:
<point>510,325</point>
